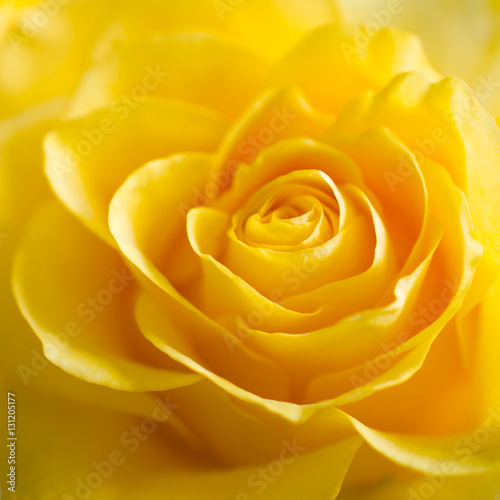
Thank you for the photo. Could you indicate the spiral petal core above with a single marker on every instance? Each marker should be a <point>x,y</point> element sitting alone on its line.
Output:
<point>303,264</point>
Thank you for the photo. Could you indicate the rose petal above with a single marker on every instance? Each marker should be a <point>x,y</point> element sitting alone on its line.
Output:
<point>21,167</point>
<point>461,39</point>
<point>193,67</point>
<point>438,487</point>
<point>282,26</point>
<point>317,474</point>
<point>349,61</point>
<point>52,426</point>
<point>411,408</point>
<point>485,348</point>
<point>426,454</point>
<point>270,35</point>
<point>280,113</point>
<point>443,121</point>
<point>134,221</point>
<point>81,155</point>
<point>43,49</point>
<point>273,267</point>
<point>96,341</point>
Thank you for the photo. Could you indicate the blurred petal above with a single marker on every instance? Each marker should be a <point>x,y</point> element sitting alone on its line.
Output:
<point>87,159</point>
<point>22,184</point>
<point>283,24</point>
<point>333,57</point>
<point>438,487</point>
<point>77,301</point>
<point>271,35</point>
<point>46,48</point>
<point>485,349</point>
<point>193,67</point>
<point>102,457</point>
<point>316,474</point>
<point>461,38</point>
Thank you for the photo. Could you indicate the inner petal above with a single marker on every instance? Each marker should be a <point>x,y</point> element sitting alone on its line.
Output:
<point>298,210</point>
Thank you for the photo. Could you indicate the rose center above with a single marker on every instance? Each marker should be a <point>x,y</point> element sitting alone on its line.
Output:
<point>289,215</point>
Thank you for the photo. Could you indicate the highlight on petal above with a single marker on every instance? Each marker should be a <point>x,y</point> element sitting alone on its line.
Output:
<point>77,304</point>
<point>430,454</point>
<point>349,61</point>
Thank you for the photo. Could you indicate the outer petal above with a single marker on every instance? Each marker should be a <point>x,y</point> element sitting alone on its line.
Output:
<point>50,428</point>
<point>271,34</point>
<point>21,358</point>
<point>75,293</point>
<point>21,163</point>
<point>417,452</point>
<point>461,38</point>
<point>162,332</point>
<point>162,464</point>
<point>87,159</point>
<point>195,67</point>
<point>46,48</point>
<point>283,24</point>
<point>22,188</point>
<point>314,475</point>
<point>429,454</point>
<point>411,408</point>
<point>350,62</point>
<point>437,487</point>
<point>484,344</point>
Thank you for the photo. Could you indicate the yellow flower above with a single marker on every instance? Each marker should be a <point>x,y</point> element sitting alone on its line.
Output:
<point>270,261</point>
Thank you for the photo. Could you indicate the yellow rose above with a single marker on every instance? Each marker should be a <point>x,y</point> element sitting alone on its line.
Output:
<point>273,254</point>
<point>462,38</point>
